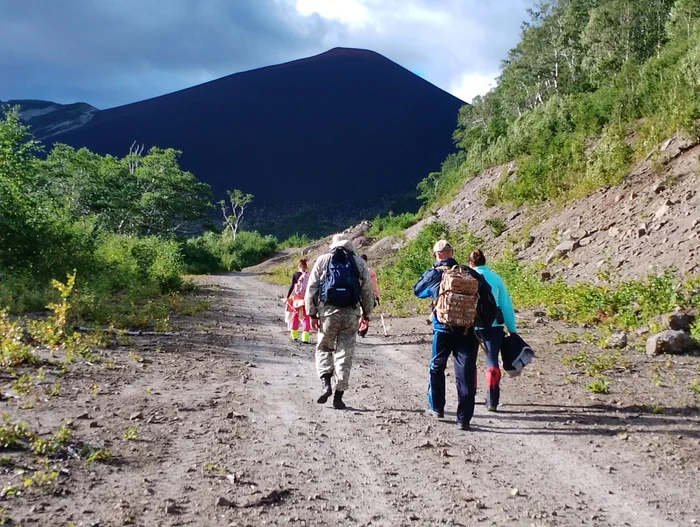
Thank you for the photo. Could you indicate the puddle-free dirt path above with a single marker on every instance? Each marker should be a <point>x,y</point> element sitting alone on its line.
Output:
<point>228,433</point>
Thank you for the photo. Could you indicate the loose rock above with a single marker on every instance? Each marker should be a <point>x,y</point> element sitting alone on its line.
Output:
<point>679,320</point>
<point>671,342</point>
<point>566,247</point>
<point>223,502</point>
<point>617,341</point>
<point>661,211</point>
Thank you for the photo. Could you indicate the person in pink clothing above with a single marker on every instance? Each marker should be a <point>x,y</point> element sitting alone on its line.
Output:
<point>295,298</point>
<point>364,324</point>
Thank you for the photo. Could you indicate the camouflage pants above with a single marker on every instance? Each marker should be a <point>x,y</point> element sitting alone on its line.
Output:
<point>336,346</point>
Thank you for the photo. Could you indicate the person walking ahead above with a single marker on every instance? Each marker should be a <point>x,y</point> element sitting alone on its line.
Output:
<point>364,324</point>
<point>461,299</point>
<point>295,297</point>
<point>492,336</point>
<point>338,293</point>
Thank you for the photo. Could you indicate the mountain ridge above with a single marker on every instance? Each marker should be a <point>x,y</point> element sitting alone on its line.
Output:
<point>343,127</point>
<point>48,118</point>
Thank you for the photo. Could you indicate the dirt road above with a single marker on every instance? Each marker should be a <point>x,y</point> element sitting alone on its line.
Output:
<point>227,432</point>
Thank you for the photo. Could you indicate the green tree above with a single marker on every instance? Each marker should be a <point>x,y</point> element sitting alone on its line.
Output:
<point>585,77</point>
<point>234,216</point>
<point>147,194</point>
<point>168,199</point>
<point>22,220</point>
<point>684,19</point>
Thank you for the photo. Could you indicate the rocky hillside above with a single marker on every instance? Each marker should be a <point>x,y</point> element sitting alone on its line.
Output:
<point>48,118</point>
<point>649,222</point>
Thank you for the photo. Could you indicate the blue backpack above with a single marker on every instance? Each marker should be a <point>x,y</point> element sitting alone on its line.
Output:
<point>340,285</point>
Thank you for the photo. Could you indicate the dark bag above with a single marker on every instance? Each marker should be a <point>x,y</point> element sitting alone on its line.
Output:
<point>487,310</point>
<point>340,284</point>
<point>515,354</point>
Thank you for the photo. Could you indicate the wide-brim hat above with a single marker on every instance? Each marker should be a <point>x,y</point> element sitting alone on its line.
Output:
<point>341,240</point>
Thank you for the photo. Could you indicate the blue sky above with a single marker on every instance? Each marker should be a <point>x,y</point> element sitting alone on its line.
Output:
<point>112,52</point>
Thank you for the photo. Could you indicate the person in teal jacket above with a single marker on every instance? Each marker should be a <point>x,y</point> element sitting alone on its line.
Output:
<point>492,337</point>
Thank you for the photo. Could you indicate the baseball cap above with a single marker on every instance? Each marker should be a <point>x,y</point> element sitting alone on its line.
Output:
<point>441,245</point>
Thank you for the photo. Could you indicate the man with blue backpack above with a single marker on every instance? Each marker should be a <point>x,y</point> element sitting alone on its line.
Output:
<point>339,292</point>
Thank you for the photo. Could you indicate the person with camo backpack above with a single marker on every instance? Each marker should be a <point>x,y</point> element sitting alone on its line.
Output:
<point>462,299</point>
<point>338,294</point>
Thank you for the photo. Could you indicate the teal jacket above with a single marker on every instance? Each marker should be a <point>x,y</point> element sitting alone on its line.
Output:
<point>500,293</point>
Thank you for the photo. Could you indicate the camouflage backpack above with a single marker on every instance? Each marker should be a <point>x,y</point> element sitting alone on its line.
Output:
<point>458,297</point>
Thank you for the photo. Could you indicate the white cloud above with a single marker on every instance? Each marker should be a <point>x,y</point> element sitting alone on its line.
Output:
<point>110,52</point>
<point>455,44</point>
<point>472,84</point>
<point>351,12</point>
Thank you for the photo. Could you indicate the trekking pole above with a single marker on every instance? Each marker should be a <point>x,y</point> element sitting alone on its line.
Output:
<point>381,316</point>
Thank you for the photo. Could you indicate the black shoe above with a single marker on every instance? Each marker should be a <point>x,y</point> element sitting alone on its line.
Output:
<point>338,403</point>
<point>436,413</point>
<point>326,387</point>
<point>464,426</point>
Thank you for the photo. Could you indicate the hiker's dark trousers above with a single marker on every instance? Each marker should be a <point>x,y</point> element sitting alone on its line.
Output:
<point>464,348</point>
<point>492,340</point>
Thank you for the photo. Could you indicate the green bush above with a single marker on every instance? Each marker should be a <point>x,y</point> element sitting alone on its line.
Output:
<point>21,292</point>
<point>200,254</point>
<point>123,261</point>
<point>249,249</point>
<point>215,252</point>
<point>391,225</point>
<point>497,225</point>
<point>295,241</point>
<point>627,304</point>
<point>396,280</point>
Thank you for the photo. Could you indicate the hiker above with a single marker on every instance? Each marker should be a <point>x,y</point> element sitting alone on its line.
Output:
<point>364,323</point>
<point>491,337</point>
<point>295,301</point>
<point>338,294</point>
<point>461,299</point>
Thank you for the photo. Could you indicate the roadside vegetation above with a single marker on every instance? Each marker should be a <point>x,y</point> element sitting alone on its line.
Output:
<point>621,305</point>
<point>127,229</point>
<point>92,245</point>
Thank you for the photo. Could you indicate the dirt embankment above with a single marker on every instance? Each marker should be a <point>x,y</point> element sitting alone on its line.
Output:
<point>228,433</point>
<point>650,222</point>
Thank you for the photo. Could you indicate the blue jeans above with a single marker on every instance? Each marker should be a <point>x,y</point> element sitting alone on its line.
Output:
<point>492,339</point>
<point>465,347</point>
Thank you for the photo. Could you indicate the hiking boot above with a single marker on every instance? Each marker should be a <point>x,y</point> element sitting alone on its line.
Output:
<point>326,387</point>
<point>463,426</point>
<point>338,403</point>
<point>435,413</point>
<point>294,334</point>
<point>306,337</point>
<point>492,408</point>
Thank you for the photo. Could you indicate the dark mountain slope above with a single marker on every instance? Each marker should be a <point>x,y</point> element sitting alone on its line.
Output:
<point>341,127</point>
<point>49,118</point>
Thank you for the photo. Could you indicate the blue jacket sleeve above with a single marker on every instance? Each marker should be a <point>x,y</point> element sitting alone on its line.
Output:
<point>428,284</point>
<point>506,305</point>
